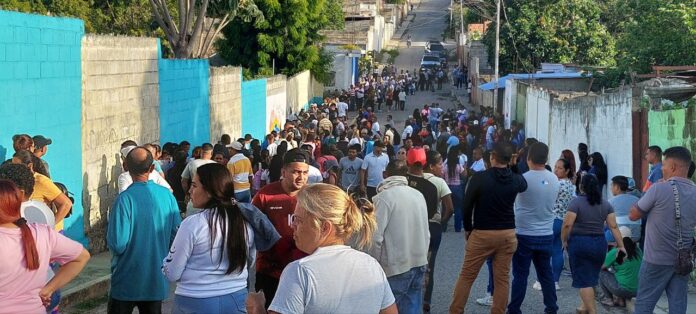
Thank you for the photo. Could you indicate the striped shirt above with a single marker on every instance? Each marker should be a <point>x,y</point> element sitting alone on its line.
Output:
<point>240,168</point>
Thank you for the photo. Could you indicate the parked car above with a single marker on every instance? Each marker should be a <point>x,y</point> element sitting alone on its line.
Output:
<point>430,61</point>
<point>442,55</point>
<point>434,46</point>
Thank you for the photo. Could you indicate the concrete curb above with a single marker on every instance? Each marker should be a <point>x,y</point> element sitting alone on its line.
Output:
<point>89,290</point>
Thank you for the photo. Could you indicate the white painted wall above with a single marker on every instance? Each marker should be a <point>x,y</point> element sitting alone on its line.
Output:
<point>603,122</point>
<point>508,110</point>
<point>537,117</point>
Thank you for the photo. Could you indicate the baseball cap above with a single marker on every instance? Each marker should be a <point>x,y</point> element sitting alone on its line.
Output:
<point>41,141</point>
<point>126,150</point>
<point>625,232</point>
<point>296,155</point>
<point>236,146</point>
<point>416,155</point>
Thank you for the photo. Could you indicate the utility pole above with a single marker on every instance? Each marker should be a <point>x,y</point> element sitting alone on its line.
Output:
<point>461,15</point>
<point>497,54</point>
<point>451,12</point>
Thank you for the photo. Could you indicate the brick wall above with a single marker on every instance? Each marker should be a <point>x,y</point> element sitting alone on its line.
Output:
<point>120,96</point>
<point>254,108</point>
<point>184,101</point>
<point>40,88</point>
<point>225,102</point>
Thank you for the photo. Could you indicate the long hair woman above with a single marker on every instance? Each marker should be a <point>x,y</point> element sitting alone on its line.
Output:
<point>26,251</point>
<point>452,172</point>
<point>599,168</point>
<point>208,257</point>
<point>568,155</point>
<point>619,277</point>
<point>583,236</point>
<point>334,278</point>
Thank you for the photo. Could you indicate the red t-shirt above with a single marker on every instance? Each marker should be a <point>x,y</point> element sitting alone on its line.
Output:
<point>279,207</point>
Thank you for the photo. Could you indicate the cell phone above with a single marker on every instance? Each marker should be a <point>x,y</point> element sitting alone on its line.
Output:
<point>620,257</point>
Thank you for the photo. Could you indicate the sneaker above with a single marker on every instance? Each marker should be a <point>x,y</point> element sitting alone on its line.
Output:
<point>485,301</point>
<point>537,286</point>
<point>558,287</point>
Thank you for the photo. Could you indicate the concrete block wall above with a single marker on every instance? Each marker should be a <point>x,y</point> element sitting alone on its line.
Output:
<point>603,122</point>
<point>254,108</point>
<point>184,101</point>
<point>298,91</point>
<point>225,102</point>
<point>537,116</point>
<point>276,103</point>
<point>120,97</point>
<point>40,88</point>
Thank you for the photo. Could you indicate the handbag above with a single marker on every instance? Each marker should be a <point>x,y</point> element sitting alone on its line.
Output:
<point>684,264</point>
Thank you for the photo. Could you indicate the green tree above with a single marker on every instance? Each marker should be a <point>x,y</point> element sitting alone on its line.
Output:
<point>660,32</point>
<point>565,31</point>
<point>288,38</point>
<point>26,6</point>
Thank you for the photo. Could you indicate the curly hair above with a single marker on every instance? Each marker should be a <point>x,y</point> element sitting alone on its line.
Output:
<point>20,175</point>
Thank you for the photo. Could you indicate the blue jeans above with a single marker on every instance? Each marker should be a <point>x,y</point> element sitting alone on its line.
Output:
<point>243,196</point>
<point>408,290</point>
<point>457,200</point>
<point>234,302</point>
<point>653,280</point>
<point>530,249</point>
<point>435,239</point>
<point>557,255</point>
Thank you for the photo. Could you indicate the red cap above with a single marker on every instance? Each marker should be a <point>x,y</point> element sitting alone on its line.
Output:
<point>414,155</point>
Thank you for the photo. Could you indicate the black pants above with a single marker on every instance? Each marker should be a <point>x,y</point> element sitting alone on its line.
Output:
<point>371,192</point>
<point>268,284</point>
<point>126,307</point>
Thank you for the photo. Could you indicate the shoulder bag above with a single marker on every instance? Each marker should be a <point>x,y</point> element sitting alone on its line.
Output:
<point>684,264</point>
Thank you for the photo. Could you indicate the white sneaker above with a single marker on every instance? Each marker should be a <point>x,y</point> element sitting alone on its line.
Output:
<point>485,301</point>
<point>537,286</point>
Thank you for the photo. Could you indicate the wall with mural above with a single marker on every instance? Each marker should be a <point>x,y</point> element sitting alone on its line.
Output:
<point>276,103</point>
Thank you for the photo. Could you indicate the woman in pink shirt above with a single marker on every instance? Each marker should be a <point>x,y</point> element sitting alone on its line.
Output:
<point>27,250</point>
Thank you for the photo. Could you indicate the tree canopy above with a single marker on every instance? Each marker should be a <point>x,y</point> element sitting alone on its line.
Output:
<point>565,31</point>
<point>288,38</point>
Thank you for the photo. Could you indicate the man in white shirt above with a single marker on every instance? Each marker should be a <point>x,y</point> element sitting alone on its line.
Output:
<point>408,131</point>
<point>192,166</point>
<point>400,243</point>
<point>372,168</point>
<point>376,129</point>
<point>478,164</point>
<point>342,108</point>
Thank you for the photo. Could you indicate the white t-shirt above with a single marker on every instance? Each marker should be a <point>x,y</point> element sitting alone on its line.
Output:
<point>314,175</point>
<point>334,279</point>
<point>375,128</point>
<point>125,180</point>
<point>38,212</point>
<point>478,165</point>
<point>342,108</point>
<point>406,133</point>
<point>442,191</point>
<point>192,166</point>
<point>375,166</point>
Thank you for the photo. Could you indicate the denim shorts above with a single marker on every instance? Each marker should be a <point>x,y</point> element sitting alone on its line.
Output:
<point>586,255</point>
<point>234,302</point>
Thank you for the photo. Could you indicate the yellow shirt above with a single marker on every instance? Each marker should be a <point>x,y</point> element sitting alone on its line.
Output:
<point>240,168</point>
<point>47,192</point>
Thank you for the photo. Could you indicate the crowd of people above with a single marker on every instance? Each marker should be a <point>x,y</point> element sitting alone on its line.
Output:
<point>335,211</point>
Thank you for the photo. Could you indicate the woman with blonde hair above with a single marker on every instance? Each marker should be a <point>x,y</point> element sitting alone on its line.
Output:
<point>334,278</point>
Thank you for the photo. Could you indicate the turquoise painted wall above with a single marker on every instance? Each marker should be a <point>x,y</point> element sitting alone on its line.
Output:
<point>254,108</point>
<point>41,94</point>
<point>184,101</point>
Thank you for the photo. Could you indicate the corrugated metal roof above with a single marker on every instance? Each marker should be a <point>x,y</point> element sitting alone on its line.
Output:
<point>533,76</point>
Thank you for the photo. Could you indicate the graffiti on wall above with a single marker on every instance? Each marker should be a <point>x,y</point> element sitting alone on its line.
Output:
<point>275,112</point>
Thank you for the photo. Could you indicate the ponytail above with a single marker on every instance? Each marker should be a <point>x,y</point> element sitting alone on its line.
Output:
<point>10,205</point>
<point>31,256</point>
<point>360,221</point>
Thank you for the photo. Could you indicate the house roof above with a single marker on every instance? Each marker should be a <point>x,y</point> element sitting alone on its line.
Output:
<point>533,76</point>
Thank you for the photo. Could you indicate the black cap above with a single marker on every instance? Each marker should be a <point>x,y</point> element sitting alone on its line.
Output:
<point>41,141</point>
<point>296,155</point>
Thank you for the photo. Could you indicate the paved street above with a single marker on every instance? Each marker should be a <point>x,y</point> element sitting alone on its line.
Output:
<point>429,23</point>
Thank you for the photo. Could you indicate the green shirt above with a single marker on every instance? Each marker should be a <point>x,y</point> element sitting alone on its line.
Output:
<point>626,273</point>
